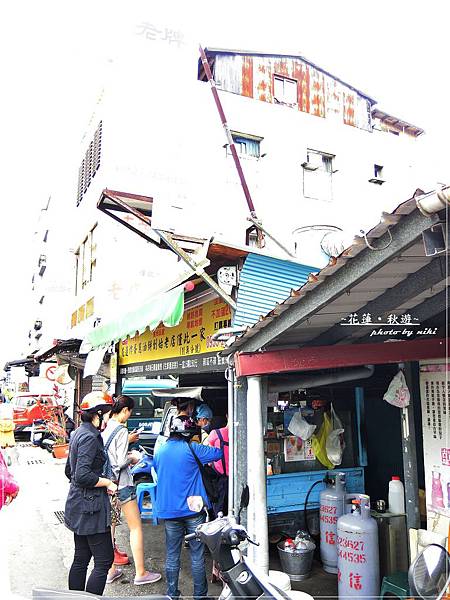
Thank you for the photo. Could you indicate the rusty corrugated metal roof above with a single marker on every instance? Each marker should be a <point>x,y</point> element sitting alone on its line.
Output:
<point>212,50</point>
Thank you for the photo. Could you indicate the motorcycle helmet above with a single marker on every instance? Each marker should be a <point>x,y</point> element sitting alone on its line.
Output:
<point>184,426</point>
<point>96,402</point>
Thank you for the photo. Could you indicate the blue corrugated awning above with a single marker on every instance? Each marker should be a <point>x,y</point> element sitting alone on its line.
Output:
<point>263,283</point>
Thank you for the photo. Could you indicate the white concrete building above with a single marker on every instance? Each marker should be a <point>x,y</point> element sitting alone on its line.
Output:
<point>51,283</point>
<point>314,154</point>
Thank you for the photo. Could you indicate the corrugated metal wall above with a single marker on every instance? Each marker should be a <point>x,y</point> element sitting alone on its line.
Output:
<point>318,94</point>
<point>264,282</point>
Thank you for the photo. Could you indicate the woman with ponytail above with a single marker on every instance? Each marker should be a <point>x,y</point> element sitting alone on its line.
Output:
<point>115,438</point>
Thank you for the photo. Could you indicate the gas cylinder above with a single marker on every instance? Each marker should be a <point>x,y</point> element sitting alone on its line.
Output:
<point>357,549</point>
<point>332,502</point>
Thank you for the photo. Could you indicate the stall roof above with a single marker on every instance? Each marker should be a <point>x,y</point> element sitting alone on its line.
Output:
<point>385,271</point>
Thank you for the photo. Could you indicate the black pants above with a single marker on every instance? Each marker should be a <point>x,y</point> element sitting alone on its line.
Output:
<point>99,546</point>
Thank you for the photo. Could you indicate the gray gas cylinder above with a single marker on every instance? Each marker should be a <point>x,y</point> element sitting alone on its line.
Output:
<point>332,502</point>
<point>357,548</point>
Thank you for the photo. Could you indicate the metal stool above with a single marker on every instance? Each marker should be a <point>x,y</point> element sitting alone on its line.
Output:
<point>147,513</point>
<point>395,584</point>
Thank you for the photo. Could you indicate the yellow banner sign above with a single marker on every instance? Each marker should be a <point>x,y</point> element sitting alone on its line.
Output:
<point>191,337</point>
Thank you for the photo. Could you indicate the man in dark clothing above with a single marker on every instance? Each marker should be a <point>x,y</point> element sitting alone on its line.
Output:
<point>182,499</point>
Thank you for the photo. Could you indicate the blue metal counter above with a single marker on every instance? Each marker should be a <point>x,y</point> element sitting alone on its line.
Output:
<point>288,492</point>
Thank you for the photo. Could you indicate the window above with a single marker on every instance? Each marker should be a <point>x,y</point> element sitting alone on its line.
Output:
<point>86,261</point>
<point>247,146</point>
<point>284,90</point>
<point>377,175</point>
<point>317,175</point>
<point>90,163</point>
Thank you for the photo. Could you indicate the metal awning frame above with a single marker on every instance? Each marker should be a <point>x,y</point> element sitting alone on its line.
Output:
<point>305,305</point>
<point>121,206</point>
<point>197,261</point>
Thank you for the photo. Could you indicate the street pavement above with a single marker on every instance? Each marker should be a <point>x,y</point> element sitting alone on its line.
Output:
<point>36,549</point>
<point>39,548</point>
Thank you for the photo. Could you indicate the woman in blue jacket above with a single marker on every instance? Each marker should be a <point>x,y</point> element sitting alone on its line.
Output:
<point>88,509</point>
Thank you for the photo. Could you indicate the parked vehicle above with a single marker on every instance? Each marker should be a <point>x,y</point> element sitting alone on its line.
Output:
<point>147,411</point>
<point>222,536</point>
<point>29,407</point>
<point>142,471</point>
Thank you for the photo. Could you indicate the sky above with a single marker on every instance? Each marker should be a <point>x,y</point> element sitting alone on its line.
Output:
<point>54,53</point>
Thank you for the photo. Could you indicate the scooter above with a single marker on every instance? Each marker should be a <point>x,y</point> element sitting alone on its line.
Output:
<point>142,470</point>
<point>222,538</point>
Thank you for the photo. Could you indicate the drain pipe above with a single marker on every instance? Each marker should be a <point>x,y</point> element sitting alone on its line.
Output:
<point>312,381</point>
<point>428,204</point>
<point>230,377</point>
<point>256,477</point>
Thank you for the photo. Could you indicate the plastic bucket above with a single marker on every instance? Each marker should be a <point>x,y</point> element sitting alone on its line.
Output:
<point>296,564</point>
<point>280,580</point>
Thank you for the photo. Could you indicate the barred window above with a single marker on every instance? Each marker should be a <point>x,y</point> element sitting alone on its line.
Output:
<point>90,164</point>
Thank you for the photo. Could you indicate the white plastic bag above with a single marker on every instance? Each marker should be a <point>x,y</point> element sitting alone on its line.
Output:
<point>300,427</point>
<point>335,444</point>
<point>397,393</point>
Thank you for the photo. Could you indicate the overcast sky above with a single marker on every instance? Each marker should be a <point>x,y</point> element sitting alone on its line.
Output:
<point>53,53</point>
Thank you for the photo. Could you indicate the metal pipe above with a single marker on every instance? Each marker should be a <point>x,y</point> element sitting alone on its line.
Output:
<point>230,140</point>
<point>269,235</point>
<point>312,381</point>
<point>428,204</point>
<point>229,374</point>
<point>256,476</point>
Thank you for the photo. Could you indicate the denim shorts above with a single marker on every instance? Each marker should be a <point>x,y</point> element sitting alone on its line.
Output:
<point>126,494</point>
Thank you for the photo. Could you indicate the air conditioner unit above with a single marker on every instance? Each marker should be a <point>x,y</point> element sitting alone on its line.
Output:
<point>309,166</point>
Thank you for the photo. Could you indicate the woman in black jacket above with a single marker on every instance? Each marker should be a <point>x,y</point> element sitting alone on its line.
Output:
<point>88,510</point>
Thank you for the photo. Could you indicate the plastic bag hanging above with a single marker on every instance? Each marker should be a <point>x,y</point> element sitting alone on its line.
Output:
<point>319,442</point>
<point>300,427</point>
<point>397,393</point>
<point>335,444</point>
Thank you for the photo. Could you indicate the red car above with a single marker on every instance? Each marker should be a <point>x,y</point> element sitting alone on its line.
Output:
<point>27,409</point>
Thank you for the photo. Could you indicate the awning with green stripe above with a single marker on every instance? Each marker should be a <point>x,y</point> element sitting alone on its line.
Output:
<point>166,308</point>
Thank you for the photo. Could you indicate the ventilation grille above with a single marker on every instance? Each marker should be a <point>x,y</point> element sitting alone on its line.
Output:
<point>90,163</point>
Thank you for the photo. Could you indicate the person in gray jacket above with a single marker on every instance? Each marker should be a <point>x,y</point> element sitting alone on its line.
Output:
<point>88,509</point>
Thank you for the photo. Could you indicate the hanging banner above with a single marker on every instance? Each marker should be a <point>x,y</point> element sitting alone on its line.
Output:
<point>434,392</point>
<point>191,338</point>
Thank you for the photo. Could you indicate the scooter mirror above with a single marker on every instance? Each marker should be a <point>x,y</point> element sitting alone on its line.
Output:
<point>245,498</point>
<point>429,574</point>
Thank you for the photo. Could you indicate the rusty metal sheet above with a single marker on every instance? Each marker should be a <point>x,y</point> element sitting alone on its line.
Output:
<point>317,93</point>
<point>228,73</point>
<point>247,76</point>
<point>349,108</point>
<point>334,103</point>
<point>300,72</point>
<point>262,79</point>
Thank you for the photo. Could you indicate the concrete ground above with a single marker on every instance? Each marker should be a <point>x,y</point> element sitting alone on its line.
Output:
<point>39,548</point>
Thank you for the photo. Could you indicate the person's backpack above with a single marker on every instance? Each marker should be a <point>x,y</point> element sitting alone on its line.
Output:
<point>107,468</point>
<point>210,478</point>
<point>222,444</point>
